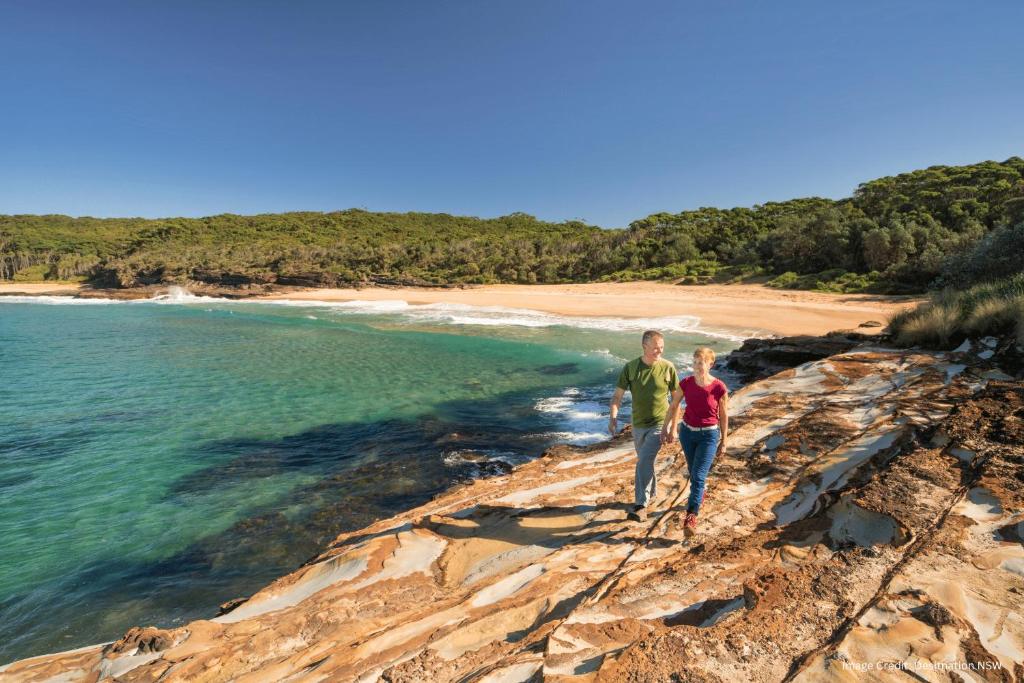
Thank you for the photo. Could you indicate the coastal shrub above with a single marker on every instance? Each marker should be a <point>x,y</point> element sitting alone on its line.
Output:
<point>690,272</point>
<point>999,254</point>
<point>834,280</point>
<point>784,281</point>
<point>850,283</point>
<point>945,225</point>
<point>33,273</point>
<point>933,325</point>
<point>993,308</point>
<point>995,317</point>
<point>828,280</point>
<point>898,320</point>
<point>742,272</point>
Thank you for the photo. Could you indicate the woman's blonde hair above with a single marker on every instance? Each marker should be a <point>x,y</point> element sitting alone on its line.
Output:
<point>707,353</point>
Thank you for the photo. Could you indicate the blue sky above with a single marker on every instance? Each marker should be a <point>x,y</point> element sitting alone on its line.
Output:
<point>600,110</point>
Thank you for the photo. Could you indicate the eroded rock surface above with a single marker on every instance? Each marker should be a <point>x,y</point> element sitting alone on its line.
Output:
<point>758,358</point>
<point>869,510</point>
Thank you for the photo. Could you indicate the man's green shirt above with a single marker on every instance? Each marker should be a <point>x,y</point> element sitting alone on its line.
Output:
<point>651,387</point>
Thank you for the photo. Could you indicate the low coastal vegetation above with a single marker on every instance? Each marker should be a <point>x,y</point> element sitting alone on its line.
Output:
<point>901,234</point>
<point>981,294</point>
<point>990,309</point>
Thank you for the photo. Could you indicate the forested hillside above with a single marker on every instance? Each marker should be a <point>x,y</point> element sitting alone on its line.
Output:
<point>899,233</point>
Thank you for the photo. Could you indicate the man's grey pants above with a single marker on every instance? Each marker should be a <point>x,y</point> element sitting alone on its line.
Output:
<point>647,441</point>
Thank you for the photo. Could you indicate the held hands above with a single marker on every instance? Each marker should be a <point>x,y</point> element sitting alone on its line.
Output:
<point>721,447</point>
<point>668,435</point>
<point>613,426</point>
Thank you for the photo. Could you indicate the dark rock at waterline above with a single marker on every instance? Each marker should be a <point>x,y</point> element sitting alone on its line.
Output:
<point>760,358</point>
<point>311,279</point>
<point>192,286</point>
<point>231,278</point>
<point>559,369</point>
<point>140,640</point>
<point>230,605</point>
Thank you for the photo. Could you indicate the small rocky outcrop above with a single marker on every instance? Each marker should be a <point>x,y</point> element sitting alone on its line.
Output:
<point>758,358</point>
<point>140,640</point>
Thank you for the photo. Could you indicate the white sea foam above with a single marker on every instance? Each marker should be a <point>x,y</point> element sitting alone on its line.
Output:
<point>445,314</point>
<point>180,295</point>
<point>470,456</point>
<point>58,300</point>
<point>605,353</point>
<point>571,408</point>
<point>492,316</point>
<point>174,295</point>
<point>575,416</point>
<point>577,438</point>
<point>578,416</point>
<point>683,363</point>
<point>478,463</point>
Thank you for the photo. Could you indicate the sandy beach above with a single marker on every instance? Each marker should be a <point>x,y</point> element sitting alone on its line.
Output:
<point>38,288</point>
<point>746,309</point>
<point>730,307</point>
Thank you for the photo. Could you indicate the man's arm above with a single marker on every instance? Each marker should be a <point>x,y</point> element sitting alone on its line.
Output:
<point>668,429</point>
<point>613,411</point>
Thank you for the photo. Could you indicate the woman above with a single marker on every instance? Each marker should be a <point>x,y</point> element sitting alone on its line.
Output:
<point>704,429</point>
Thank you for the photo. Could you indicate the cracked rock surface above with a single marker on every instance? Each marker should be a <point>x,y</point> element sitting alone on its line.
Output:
<point>866,523</point>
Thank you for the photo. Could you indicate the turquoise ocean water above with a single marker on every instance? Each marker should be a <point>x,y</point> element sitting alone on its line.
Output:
<point>158,458</point>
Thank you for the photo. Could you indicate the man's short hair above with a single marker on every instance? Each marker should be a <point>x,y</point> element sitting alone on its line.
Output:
<point>650,335</point>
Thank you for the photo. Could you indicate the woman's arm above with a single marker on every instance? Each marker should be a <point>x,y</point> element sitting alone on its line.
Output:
<point>723,420</point>
<point>668,429</point>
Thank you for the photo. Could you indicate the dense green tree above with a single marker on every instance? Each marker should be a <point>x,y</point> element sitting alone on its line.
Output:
<point>810,243</point>
<point>899,233</point>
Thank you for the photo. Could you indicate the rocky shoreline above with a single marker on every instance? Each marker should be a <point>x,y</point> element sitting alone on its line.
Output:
<point>235,291</point>
<point>869,513</point>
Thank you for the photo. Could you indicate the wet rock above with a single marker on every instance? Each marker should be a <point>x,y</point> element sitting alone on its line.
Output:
<point>140,640</point>
<point>226,607</point>
<point>559,369</point>
<point>760,358</point>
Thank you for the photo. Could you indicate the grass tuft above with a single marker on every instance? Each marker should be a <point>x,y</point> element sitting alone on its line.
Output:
<point>990,309</point>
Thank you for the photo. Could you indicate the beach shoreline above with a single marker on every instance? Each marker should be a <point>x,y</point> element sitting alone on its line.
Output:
<point>735,307</point>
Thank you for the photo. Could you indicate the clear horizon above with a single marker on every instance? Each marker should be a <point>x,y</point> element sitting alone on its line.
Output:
<point>563,110</point>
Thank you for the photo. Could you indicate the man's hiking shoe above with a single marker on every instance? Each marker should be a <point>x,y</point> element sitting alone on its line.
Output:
<point>690,525</point>
<point>639,514</point>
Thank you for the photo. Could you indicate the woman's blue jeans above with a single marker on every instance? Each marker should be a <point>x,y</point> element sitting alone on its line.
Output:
<point>699,449</point>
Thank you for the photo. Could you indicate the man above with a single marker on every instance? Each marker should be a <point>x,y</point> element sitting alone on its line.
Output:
<point>651,380</point>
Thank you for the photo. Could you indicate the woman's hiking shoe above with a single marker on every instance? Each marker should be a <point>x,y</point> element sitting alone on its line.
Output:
<point>690,525</point>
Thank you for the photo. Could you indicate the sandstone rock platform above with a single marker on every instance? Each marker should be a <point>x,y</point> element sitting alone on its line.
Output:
<point>866,522</point>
